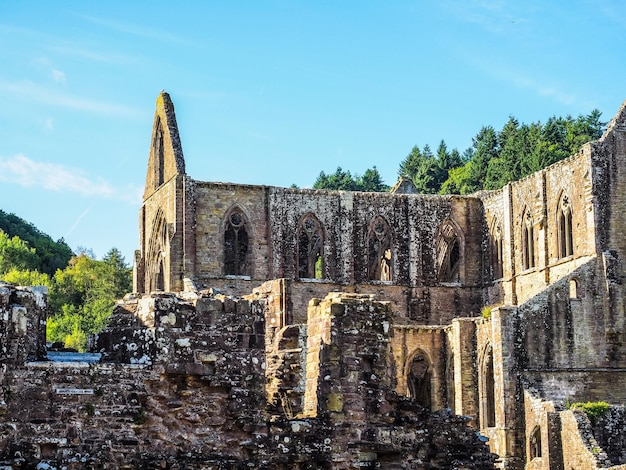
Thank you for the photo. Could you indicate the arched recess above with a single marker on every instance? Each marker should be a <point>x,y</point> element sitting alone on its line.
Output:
<point>419,378</point>
<point>310,248</point>
<point>159,154</point>
<point>379,248</point>
<point>528,239</point>
<point>236,236</point>
<point>573,288</point>
<point>496,248</point>
<point>156,259</point>
<point>565,237</point>
<point>534,444</point>
<point>487,390</point>
<point>450,252</point>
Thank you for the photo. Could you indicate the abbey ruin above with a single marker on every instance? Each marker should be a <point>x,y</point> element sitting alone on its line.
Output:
<point>291,329</point>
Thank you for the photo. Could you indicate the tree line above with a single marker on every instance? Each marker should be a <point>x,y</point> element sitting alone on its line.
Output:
<point>494,159</point>
<point>82,290</point>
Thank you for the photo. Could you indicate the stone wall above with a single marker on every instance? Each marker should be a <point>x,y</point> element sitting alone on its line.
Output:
<point>23,314</point>
<point>186,382</point>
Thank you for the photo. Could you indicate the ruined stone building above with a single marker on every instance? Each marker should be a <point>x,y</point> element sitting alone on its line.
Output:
<point>291,329</point>
<point>544,254</point>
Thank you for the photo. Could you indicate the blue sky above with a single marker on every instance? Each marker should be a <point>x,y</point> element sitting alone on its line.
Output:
<point>273,92</point>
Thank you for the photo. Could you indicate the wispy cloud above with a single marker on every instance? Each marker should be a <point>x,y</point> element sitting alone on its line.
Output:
<point>46,65</point>
<point>495,16</point>
<point>137,30</point>
<point>35,92</point>
<point>28,173</point>
<point>559,92</point>
<point>80,51</point>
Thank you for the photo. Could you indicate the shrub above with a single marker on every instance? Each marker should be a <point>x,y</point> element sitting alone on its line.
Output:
<point>593,410</point>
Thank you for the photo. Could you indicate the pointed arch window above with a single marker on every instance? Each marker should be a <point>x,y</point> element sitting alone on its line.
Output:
<point>236,243</point>
<point>310,245</point>
<point>535,443</point>
<point>448,254</point>
<point>564,224</point>
<point>380,256</point>
<point>159,155</point>
<point>488,398</point>
<point>497,262</point>
<point>158,248</point>
<point>418,380</point>
<point>528,240</point>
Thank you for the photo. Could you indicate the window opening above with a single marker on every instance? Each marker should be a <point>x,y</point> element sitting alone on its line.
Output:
<point>496,252</point>
<point>448,255</point>
<point>565,238</point>
<point>528,241</point>
<point>310,244</point>
<point>573,289</point>
<point>235,244</point>
<point>489,402</point>
<point>379,251</point>
<point>535,443</point>
<point>418,380</point>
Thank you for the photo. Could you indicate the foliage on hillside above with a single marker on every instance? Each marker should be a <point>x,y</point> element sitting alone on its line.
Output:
<point>494,158</point>
<point>344,181</point>
<point>499,157</point>
<point>82,293</point>
<point>48,255</point>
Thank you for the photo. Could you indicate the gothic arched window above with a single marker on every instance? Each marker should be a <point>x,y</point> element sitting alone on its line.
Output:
<point>158,248</point>
<point>418,380</point>
<point>535,443</point>
<point>564,224</point>
<point>236,243</point>
<point>528,240</point>
<point>488,398</point>
<point>497,261</point>
<point>448,254</point>
<point>310,245</point>
<point>380,255</point>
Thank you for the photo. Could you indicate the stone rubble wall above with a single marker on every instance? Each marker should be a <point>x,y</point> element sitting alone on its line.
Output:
<point>23,313</point>
<point>183,384</point>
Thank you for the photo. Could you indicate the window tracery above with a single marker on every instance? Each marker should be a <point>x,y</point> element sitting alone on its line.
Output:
<point>310,243</point>
<point>236,242</point>
<point>564,221</point>
<point>448,254</point>
<point>380,255</point>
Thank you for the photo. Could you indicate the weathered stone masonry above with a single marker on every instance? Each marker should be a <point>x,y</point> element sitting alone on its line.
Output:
<point>542,254</point>
<point>187,389</point>
<point>330,329</point>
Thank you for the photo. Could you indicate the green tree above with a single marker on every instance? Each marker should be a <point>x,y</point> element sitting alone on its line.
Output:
<point>421,166</point>
<point>344,181</point>
<point>26,277</point>
<point>458,181</point>
<point>340,180</point>
<point>485,146</point>
<point>50,255</point>
<point>16,254</point>
<point>371,181</point>
<point>83,295</point>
